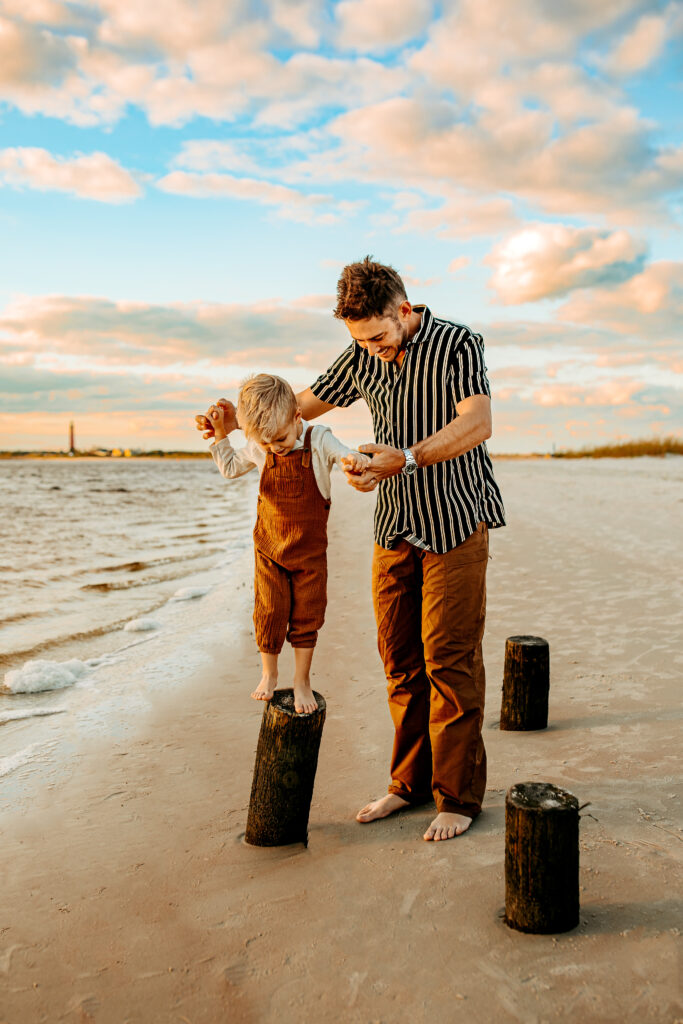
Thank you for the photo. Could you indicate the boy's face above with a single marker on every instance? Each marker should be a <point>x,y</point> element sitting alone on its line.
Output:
<point>285,438</point>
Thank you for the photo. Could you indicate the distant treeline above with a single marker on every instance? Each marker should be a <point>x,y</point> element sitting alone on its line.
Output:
<point>627,449</point>
<point>156,454</point>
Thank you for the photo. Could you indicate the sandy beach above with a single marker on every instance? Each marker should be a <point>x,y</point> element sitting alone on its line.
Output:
<point>129,895</point>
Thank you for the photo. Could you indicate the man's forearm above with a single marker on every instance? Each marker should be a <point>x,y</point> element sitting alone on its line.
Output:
<point>457,437</point>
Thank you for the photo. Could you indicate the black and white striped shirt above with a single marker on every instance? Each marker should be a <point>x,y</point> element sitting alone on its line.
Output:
<point>439,506</point>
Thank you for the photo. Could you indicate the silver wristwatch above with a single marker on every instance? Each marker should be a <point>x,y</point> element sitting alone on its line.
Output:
<point>411,465</point>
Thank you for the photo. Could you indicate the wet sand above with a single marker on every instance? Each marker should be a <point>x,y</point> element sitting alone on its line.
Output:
<point>129,896</point>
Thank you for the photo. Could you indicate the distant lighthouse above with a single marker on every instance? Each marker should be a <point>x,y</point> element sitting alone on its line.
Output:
<point>72,442</point>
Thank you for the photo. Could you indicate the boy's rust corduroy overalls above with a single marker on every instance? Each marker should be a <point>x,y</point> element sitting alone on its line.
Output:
<point>290,541</point>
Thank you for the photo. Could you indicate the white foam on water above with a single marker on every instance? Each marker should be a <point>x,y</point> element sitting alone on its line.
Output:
<point>38,675</point>
<point>189,593</point>
<point>16,716</point>
<point>14,761</point>
<point>141,625</point>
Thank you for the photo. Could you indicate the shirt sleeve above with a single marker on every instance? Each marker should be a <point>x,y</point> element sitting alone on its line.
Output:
<point>330,447</point>
<point>337,384</point>
<point>230,461</point>
<point>468,367</point>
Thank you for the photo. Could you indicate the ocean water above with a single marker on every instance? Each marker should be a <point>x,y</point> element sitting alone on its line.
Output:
<point>114,577</point>
<point>91,547</point>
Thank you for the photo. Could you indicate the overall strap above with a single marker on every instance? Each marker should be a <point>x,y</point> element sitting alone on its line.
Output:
<point>306,461</point>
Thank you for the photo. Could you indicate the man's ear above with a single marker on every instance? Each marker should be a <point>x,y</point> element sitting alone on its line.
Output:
<point>405,309</point>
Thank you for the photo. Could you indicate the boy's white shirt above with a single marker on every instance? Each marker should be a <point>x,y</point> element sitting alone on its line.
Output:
<point>326,450</point>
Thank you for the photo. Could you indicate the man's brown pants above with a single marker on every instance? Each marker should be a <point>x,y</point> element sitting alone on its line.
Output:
<point>430,612</point>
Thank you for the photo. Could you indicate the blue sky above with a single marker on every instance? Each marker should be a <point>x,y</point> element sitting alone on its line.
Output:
<point>181,184</point>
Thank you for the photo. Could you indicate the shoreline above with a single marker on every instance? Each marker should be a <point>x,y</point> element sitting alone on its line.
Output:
<point>145,905</point>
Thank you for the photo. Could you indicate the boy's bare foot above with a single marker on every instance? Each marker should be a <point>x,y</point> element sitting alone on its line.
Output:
<point>304,701</point>
<point>266,688</point>
<point>447,826</point>
<point>381,808</point>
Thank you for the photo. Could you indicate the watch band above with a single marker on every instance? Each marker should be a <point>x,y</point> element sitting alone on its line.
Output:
<point>411,462</point>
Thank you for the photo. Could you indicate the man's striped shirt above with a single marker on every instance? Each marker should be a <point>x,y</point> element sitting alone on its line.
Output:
<point>439,506</point>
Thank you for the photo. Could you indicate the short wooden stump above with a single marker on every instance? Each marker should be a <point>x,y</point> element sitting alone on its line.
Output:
<point>284,772</point>
<point>541,858</point>
<point>526,683</point>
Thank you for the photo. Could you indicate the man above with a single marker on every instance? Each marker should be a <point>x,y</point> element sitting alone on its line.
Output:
<point>425,383</point>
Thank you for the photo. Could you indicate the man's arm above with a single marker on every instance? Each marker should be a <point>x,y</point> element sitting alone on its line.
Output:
<point>470,428</point>
<point>312,407</point>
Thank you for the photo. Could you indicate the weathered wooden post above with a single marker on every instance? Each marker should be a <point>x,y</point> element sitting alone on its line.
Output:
<point>541,858</point>
<point>526,682</point>
<point>284,773</point>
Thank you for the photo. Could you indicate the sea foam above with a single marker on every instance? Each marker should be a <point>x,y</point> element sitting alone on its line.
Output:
<point>38,675</point>
<point>141,625</point>
<point>189,593</point>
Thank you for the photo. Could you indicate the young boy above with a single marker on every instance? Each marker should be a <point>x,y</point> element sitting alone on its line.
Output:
<point>290,536</point>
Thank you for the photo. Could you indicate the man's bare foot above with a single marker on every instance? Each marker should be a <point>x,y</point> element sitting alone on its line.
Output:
<point>304,701</point>
<point>381,808</point>
<point>266,688</point>
<point>447,826</point>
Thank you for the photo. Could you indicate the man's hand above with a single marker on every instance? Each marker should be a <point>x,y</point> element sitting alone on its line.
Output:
<point>221,415</point>
<point>386,461</point>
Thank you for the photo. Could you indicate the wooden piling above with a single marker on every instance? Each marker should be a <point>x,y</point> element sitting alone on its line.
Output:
<point>526,683</point>
<point>541,858</point>
<point>284,773</point>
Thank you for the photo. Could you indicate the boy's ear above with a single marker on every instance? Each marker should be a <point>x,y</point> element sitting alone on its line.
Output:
<point>297,417</point>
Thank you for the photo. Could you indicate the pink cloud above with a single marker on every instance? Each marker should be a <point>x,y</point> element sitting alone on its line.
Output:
<point>649,304</point>
<point>378,25</point>
<point>639,47</point>
<point>545,260</point>
<point>290,203</point>
<point>88,176</point>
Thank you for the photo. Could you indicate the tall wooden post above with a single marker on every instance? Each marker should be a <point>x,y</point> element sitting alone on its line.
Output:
<point>541,858</point>
<point>526,683</point>
<point>284,773</point>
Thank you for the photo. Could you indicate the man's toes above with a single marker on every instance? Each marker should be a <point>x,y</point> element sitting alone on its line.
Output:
<point>430,833</point>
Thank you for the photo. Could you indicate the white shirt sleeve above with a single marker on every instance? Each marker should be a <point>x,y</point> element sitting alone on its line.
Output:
<point>233,462</point>
<point>331,448</point>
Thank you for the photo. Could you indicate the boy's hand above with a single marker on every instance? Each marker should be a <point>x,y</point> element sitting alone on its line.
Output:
<point>354,462</point>
<point>218,421</point>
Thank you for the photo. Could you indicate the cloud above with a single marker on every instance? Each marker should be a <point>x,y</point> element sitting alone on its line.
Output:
<point>641,45</point>
<point>610,167</point>
<point>461,216</point>
<point>31,57</point>
<point>547,260</point>
<point>298,19</point>
<point>458,264</point>
<point>649,304</point>
<point>289,203</point>
<point>88,176</point>
<point>67,332</point>
<point>378,25</point>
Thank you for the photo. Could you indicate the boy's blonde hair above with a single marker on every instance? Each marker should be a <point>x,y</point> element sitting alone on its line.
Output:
<point>265,405</point>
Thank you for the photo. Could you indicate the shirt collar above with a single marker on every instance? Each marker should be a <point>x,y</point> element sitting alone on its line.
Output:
<point>299,443</point>
<point>425,327</point>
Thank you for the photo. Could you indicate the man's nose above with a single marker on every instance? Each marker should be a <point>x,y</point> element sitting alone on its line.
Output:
<point>373,348</point>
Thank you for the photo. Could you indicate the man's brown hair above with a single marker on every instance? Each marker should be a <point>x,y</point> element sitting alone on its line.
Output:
<point>368,289</point>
